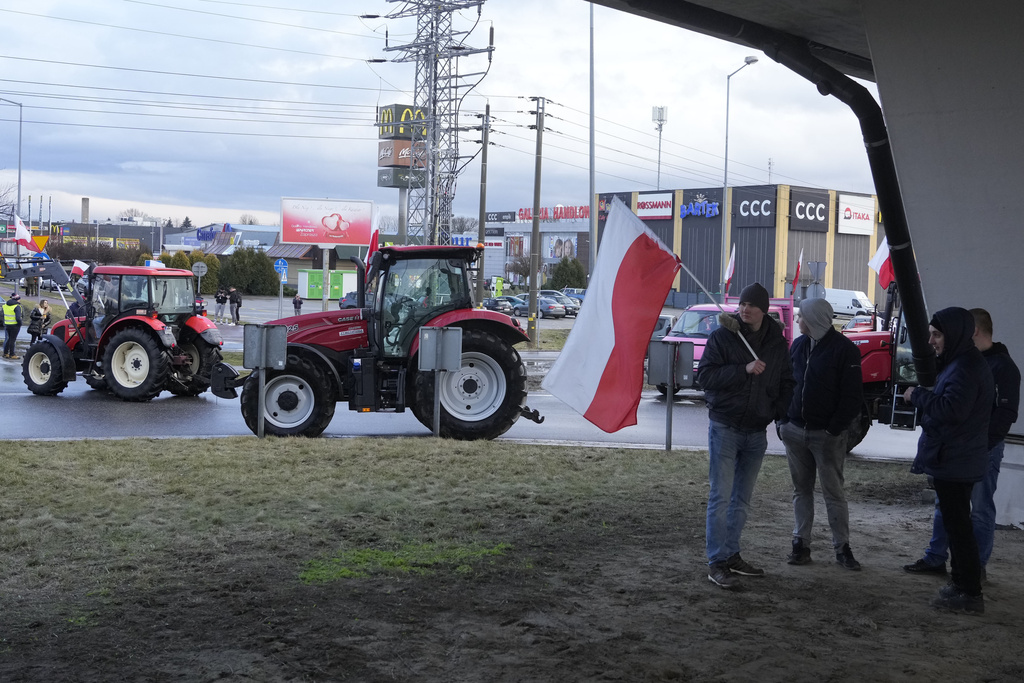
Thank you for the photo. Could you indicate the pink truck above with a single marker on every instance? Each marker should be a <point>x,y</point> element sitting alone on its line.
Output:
<point>698,322</point>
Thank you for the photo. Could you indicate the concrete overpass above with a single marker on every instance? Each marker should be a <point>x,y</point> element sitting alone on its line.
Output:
<point>950,78</point>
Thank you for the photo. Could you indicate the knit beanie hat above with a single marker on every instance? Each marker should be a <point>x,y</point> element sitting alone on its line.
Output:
<point>817,314</point>
<point>757,295</point>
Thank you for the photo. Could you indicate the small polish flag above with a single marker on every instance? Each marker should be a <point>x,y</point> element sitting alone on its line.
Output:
<point>79,268</point>
<point>599,372</point>
<point>796,276</point>
<point>881,263</point>
<point>22,235</point>
<point>730,269</point>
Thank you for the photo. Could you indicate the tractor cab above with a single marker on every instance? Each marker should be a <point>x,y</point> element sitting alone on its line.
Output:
<point>409,287</point>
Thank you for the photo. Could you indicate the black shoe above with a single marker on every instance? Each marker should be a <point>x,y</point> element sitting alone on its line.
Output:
<point>801,554</point>
<point>955,600</point>
<point>922,567</point>
<point>984,575</point>
<point>845,558</point>
<point>719,574</point>
<point>737,565</point>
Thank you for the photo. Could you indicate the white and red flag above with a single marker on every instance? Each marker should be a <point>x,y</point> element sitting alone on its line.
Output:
<point>599,372</point>
<point>22,235</point>
<point>730,269</point>
<point>79,267</point>
<point>881,263</point>
<point>796,275</point>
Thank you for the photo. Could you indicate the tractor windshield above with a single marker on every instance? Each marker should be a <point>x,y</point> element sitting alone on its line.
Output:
<point>173,295</point>
<point>414,291</point>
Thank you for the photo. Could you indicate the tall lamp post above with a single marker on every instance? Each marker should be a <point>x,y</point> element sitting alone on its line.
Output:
<point>659,115</point>
<point>17,209</point>
<point>727,213</point>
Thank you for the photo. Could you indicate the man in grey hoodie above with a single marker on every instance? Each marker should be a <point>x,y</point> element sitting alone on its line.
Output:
<point>828,396</point>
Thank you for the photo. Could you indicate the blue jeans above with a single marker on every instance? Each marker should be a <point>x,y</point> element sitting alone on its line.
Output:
<point>983,515</point>
<point>734,461</point>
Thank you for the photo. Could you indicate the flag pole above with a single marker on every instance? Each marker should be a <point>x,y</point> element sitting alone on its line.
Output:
<point>723,311</point>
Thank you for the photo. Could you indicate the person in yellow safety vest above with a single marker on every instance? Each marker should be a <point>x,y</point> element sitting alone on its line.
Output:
<point>12,325</point>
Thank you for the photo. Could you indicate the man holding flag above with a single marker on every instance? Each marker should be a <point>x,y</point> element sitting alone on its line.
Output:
<point>746,386</point>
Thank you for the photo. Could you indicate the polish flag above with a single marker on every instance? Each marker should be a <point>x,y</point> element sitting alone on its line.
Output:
<point>599,372</point>
<point>796,276</point>
<point>729,269</point>
<point>22,235</point>
<point>79,268</point>
<point>881,263</point>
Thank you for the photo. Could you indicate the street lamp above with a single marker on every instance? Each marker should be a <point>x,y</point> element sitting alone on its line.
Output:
<point>659,115</point>
<point>17,209</point>
<point>727,213</point>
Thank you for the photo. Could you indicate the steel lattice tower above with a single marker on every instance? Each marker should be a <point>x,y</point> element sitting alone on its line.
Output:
<point>435,146</point>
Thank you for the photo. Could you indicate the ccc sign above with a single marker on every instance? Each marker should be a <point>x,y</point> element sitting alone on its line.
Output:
<point>809,211</point>
<point>758,207</point>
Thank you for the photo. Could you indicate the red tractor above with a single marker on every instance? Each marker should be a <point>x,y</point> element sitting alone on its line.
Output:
<point>132,331</point>
<point>367,356</point>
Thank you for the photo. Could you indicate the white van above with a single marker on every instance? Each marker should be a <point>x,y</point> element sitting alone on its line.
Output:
<point>848,302</point>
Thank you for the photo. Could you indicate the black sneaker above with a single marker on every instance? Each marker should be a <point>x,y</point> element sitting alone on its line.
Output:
<point>922,567</point>
<point>845,558</point>
<point>949,590</point>
<point>737,565</point>
<point>956,600</point>
<point>719,574</point>
<point>801,554</point>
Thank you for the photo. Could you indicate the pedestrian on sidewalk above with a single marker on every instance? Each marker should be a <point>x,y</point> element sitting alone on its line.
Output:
<point>221,299</point>
<point>235,301</point>
<point>297,304</point>
<point>39,321</point>
<point>12,325</point>
<point>828,396</point>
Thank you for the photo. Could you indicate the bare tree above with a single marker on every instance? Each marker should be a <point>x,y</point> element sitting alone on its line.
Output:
<point>248,219</point>
<point>388,225</point>
<point>134,213</point>
<point>464,224</point>
<point>8,198</point>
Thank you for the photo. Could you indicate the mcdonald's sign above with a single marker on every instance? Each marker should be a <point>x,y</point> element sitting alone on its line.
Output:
<point>395,121</point>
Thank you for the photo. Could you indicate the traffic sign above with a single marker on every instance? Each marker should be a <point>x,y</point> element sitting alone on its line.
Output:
<point>199,268</point>
<point>281,266</point>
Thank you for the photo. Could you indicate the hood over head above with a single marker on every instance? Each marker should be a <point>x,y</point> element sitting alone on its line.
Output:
<point>817,314</point>
<point>957,326</point>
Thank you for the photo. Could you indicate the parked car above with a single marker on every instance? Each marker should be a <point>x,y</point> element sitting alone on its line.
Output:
<point>549,308</point>
<point>574,292</point>
<point>350,300</point>
<point>665,323</point>
<point>499,305</point>
<point>520,306</point>
<point>572,306</point>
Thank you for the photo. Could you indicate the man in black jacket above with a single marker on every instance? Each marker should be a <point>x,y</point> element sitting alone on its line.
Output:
<point>828,396</point>
<point>1004,413</point>
<point>747,384</point>
<point>955,416</point>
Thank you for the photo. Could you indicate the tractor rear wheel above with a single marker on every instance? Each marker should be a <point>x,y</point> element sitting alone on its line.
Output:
<point>482,399</point>
<point>135,365</point>
<point>298,400</point>
<point>43,370</point>
<point>194,378</point>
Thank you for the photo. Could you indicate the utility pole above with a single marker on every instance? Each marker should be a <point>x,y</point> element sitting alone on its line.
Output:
<point>481,232</point>
<point>535,235</point>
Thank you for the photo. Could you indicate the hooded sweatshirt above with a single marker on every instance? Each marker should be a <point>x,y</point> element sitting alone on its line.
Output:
<point>955,413</point>
<point>1007,379</point>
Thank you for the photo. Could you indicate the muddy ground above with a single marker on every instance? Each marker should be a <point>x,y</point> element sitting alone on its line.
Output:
<point>625,599</point>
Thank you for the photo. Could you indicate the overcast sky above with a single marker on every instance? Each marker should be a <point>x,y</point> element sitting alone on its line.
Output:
<point>213,108</point>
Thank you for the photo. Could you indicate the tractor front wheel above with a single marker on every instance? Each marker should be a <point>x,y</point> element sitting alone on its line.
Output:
<point>42,370</point>
<point>135,365</point>
<point>298,400</point>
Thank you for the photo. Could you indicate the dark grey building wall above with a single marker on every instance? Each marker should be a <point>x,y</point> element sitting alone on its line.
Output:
<point>849,270</point>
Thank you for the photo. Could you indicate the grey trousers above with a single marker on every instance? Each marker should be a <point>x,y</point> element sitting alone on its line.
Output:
<point>813,452</point>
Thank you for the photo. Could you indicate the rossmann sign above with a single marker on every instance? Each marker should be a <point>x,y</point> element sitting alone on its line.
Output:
<point>654,206</point>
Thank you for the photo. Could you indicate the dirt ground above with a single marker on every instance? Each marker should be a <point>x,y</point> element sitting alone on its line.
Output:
<point>625,599</point>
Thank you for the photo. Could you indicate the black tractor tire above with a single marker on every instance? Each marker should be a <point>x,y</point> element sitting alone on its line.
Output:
<point>483,399</point>
<point>858,428</point>
<point>43,370</point>
<point>97,383</point>
<point>298,400</point>
<point>194,378</point>
<point>135,364</point>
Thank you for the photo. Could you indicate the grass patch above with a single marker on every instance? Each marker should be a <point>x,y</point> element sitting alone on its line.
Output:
<point>422,559</point>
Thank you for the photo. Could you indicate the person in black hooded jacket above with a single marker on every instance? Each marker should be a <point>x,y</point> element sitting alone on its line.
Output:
<point>953,448</point>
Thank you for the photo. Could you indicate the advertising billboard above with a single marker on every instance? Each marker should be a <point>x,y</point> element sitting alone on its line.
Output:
<point>808,210</point>
<point>654,206</point>
<point>325,221</point>
<point>856,214</point>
